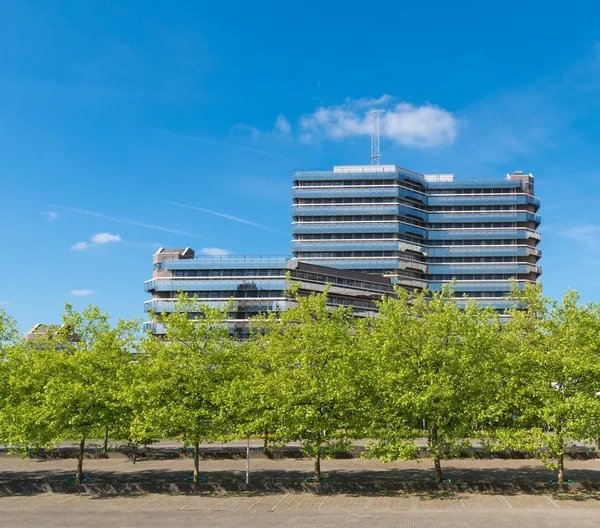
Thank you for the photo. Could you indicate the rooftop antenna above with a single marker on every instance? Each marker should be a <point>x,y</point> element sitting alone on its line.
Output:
<point>375,155</point>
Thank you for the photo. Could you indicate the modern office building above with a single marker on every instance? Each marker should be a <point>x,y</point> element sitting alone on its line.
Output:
<point>420,230</point>
<point>256,285</point>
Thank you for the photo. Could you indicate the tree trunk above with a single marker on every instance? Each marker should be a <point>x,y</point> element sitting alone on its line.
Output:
<point>79,475</point>
<point>318,467</point>
<point>196,462</point>
<point>561,468</point>
<point>439,477</point>
<point>434,445</point>
<point>105,447</point>
<point>266,449</point>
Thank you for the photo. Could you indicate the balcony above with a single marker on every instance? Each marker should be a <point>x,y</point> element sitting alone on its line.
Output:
<point>497,304</point>
<point>228,262</point>
<point>335,245</point>
<point>484,216</point>
<point>470,286</point>
<point>357,191</point>
<point>355,263</point>
<point>492,183</point>
<point>478,234</point>
<point>355,209</point>
<point>206,283</point>
<point>479,251</point>
<point>482,199</point>
<point>473,268</point>
<point>357,227</point>
<point>247,305</point>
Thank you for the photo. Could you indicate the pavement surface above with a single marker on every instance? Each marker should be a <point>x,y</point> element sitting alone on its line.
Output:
<point>119,467</point>
<point>300,510</point>
<point>432,509</point>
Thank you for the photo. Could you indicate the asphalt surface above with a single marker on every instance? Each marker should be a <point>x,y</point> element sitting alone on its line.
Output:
<point>299,510</point>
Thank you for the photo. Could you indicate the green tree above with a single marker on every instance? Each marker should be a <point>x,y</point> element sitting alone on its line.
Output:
<point>552,377</point>
<point>185,377</point>
<point>306,363</point>
<point>432,362</point>
<point>83,397</point>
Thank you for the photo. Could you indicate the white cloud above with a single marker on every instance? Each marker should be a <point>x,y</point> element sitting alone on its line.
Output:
<point>215,252</point>
<point>406,124</point>
<point>81,246</point>
<point>4,303</point>
<point>99,239</point>
<point>282,124</point>
<point>105,238</point>
<point>50,215</point>
<point>81,293</point>
<point>243,127</point>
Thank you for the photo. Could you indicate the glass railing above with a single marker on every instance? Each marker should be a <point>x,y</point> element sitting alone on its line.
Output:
<point>477,234</point>
<point>498,304</point>
<point>335,245</point>
<point>509,216</point>
<point>488,199</point>
<point>206,283</point>
<point>356,227</point>
<point>248,305</point>
<point>479,251</point>
<point>356,209</point>
<point>461,269</point>
<point>356,263</point>
<point>228,262</point>
<point>475,184</point>
<point>466,286</point>
<point>357,191</point>
<point>154,327</point>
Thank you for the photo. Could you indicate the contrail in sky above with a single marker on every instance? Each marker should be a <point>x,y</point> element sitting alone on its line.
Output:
<point>220,143</point>
<point>223,215</point>
<point>124,221</point>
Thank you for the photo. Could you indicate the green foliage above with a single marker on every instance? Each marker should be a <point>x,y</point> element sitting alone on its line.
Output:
<point>552,377</point>
<point>305,363</point>
<point>184,378</point>
<point>431,364</point>
<point>427,366</point>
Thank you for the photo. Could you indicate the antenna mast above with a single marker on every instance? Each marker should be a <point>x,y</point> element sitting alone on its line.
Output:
<point>375,155</point>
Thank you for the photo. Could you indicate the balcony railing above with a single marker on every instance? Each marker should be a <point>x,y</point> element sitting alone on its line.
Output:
<point>484,216</point>
<point>473,268</point>
<point>228,262</point>
<point>206,283</point>
<point>357,191</point>
<point>357,227</point>
<point>469,286</point>
<point>356,209</point>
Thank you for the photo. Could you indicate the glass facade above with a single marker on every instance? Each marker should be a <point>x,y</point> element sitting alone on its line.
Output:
<point>420,230</point>
<point>255,285</point>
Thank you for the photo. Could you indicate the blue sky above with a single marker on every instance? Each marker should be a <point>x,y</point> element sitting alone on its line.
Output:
<point>114,115</point>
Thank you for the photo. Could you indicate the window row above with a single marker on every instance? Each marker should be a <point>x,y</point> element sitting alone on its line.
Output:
<point>484,242</point>
<point>363,218</point>
<point>361,183</point>
<point>472,276</point>
<point>358,236</point>
<point>450,260</point>
<point>359,254</point>
<point>230,273</point>
<point>341,281</point>
<point>471,225</point>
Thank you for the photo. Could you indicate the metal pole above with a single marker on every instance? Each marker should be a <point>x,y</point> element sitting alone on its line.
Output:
<point>248,461</point>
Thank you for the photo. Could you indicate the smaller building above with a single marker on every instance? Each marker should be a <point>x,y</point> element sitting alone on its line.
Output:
<point>43,334</point>
<point>256,284</point>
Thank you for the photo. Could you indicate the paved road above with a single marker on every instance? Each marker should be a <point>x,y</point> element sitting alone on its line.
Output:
<point>299,510</point>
